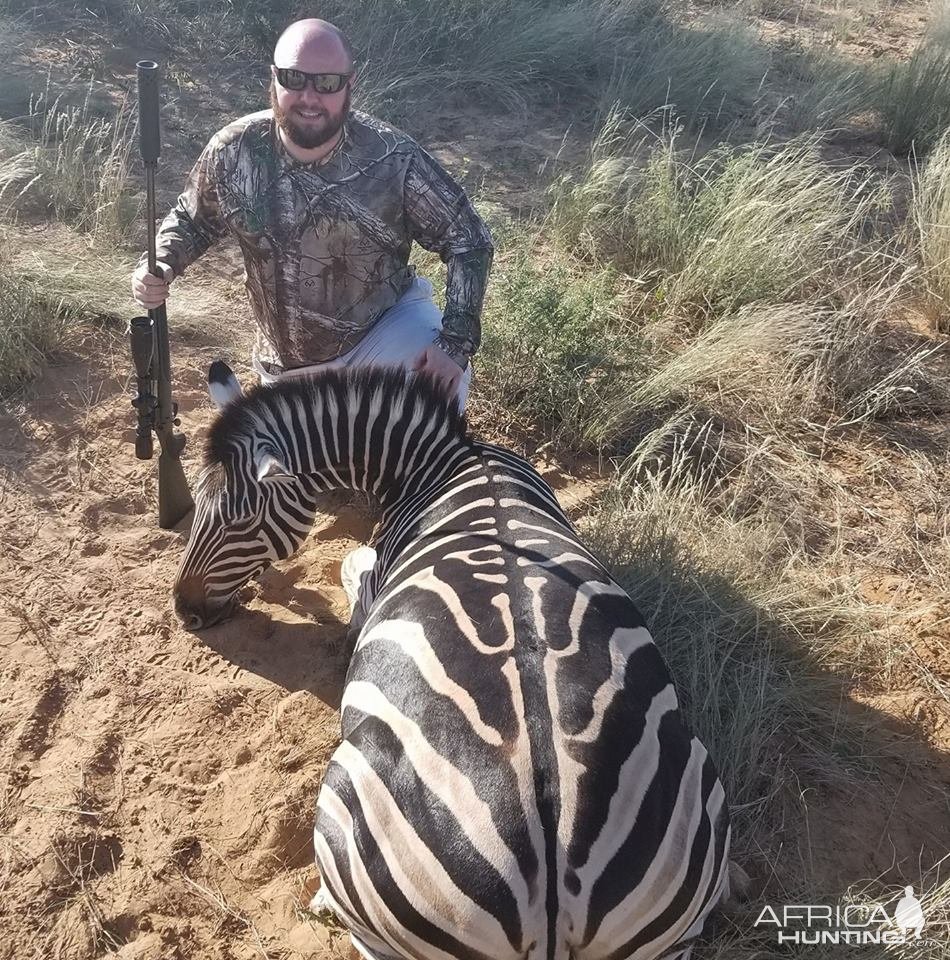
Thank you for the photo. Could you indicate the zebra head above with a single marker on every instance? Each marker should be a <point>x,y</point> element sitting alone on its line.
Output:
<point>270,454</point>
<point>250,510</point>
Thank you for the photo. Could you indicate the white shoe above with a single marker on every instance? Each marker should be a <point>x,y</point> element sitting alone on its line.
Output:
<point>356,564</point>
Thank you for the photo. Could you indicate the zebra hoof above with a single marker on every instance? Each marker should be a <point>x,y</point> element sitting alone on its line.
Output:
<point>320,901</point>
<point>356,564</point>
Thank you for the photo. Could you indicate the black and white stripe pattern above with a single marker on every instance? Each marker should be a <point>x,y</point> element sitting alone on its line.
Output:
<point>515,778</point>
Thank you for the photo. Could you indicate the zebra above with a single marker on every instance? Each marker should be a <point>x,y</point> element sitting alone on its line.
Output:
<point>515,778</point>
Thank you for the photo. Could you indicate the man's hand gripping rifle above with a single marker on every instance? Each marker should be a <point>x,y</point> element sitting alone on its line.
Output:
<point>157,412</point>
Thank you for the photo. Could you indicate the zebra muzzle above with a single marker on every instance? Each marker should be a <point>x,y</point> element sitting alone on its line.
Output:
<point>192,606</point>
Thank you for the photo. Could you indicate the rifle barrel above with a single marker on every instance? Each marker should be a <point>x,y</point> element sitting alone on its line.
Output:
<point>150,213</point>
<point>150,142</point>
<point>166,408</point>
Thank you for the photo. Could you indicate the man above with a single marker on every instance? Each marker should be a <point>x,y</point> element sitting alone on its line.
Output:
<point>325,204</point>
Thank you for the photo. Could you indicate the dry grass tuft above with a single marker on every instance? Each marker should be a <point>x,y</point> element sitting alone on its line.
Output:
<point>83,164</point>
<point>769,222</point>
<point>31,326</point>
<point>931,227</point>
<point>45,294</point>
<point>745,622</point>
<point>913,98</point>
<point>738,939</point>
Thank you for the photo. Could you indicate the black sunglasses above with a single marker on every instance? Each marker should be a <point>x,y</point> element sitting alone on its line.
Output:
<point>321,82</point>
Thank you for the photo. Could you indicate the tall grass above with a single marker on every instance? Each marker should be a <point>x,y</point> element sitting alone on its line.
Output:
<point>797,374</point>
<point>73,161</point>
<point>821,90</point>
<point>765,636</point>
<point>413,53</point>
<point>756,283</point>
<point>18,171</point>
<point>83,165</point>
<point>584,53</point>
<point>931,227</point>
<point>32,325</point>
<point>747,626</point>
<point>735,226</point>
<point>938,29</point>
<point>46,291</point>
<point>914,99</point>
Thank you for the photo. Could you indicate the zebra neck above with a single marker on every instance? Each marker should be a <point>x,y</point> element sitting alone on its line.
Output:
<point>415,473</point>
<point>389,443</point>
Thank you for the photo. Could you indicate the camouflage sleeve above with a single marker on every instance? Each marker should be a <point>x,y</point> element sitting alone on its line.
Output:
<point>464,294</point>
<point>442,219</point>
<point>195,222</point>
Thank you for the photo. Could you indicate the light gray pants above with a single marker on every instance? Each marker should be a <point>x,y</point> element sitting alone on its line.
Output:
<point>398,339</point>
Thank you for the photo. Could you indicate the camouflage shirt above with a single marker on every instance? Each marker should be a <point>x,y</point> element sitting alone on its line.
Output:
<point>326,246</point>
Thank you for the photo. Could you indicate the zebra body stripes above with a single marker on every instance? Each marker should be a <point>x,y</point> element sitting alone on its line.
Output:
<point>515,779</point>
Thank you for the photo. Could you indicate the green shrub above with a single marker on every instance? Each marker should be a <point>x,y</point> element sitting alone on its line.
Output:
<point>555,350</point>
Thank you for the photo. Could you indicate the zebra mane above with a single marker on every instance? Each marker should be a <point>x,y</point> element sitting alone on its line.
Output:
<point>243,417</point>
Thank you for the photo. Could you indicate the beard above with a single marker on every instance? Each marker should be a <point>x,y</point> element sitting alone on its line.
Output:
<point>305,137</point>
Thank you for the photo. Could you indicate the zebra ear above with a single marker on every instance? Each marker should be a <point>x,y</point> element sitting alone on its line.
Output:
<point>270,468</point>
<point>222,384</point>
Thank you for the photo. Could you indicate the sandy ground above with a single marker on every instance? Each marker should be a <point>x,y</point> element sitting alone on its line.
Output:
<point>156,786</point>
<point>157,783</point>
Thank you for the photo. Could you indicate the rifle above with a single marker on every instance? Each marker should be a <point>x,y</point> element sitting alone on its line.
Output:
<point>156,410</point>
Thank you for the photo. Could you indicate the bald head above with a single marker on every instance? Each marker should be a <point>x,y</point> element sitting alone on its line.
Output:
<point>314,46</point>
